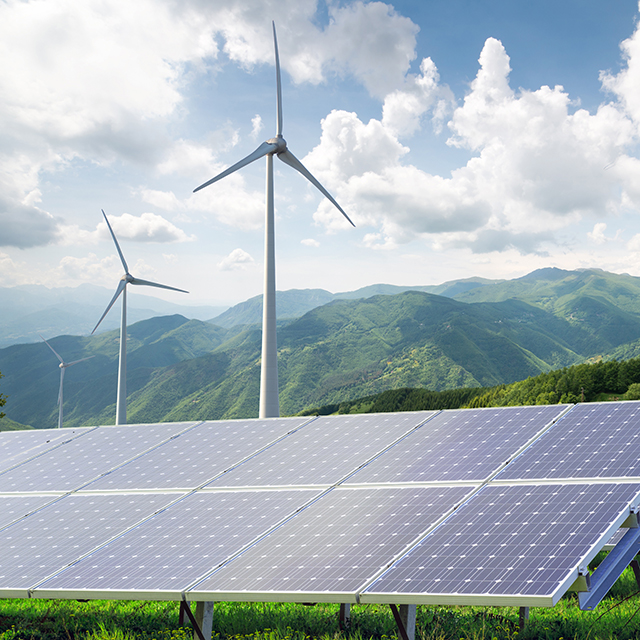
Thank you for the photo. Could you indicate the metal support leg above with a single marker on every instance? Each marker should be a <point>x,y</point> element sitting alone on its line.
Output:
<point>344,619</point>
<point>524,617</point>
<point>204,619</point>
<point>636,570</point>
<point>185,610</point>
<point>406,620</point>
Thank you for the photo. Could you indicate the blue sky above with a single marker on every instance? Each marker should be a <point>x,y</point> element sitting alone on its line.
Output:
<point>464,138</point>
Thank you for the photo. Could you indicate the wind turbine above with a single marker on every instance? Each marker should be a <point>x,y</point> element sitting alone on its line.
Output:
<point>127,278</point>
<point>269,403</point>
<point>63,365</point>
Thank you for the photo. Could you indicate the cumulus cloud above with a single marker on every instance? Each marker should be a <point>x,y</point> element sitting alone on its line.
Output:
<point>536,163</point>
<point>237,259</point>
<point>597,235</point>
<point>149,227</point>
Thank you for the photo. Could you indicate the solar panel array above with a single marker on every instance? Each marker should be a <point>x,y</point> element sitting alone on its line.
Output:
<point>488,506</point>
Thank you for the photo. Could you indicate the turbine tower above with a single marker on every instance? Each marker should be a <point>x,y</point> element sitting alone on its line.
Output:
<point>127,278</point>
<point>269,403</point>
<point>63,365</point>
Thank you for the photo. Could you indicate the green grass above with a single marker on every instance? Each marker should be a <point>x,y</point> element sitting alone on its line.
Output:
<point>615,619</point>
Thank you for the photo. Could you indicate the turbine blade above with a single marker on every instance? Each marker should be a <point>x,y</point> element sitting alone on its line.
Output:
<point>81,360</point>
<point>52,349</point>
<point>155,284</point>
<point>288,158</point>
<point>262,150</point>
<point>278,84</point>
<point>113,235</point>
<point>121,285</point>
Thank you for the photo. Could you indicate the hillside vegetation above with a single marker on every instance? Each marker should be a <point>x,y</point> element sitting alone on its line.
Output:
<point>180,369</point>
<point>601,380</point>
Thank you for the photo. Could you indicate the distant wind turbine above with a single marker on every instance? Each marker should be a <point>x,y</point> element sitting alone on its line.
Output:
<point>127,278</point>
<point>269,403</point>
<point>63,365</point>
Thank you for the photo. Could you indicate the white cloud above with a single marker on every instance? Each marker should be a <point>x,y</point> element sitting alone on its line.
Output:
<point>256,126</point>
<point>237,259</point>
<point>149,227</point>
<point>310,242</point>
<point>537,165</point>
<point>597,235</point>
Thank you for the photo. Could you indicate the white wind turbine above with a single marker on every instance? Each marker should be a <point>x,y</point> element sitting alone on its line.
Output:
<point>127,278</point>
<point>63,365</point>
<point>269,403</point>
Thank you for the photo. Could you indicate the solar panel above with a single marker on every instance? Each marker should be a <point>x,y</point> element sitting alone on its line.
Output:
<point>509,545</point>
<point>179,545</point>
<point>13,508</point>
<point>81,459</point>
<point>463,444</point>
<point>324,451</point>
<point>599,440</point>
<point>17,446</point>
<point>49,539</point>
<point>333,546</point>
<point>197,455</point>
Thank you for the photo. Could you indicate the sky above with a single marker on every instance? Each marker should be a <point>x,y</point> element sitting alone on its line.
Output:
<point>463,138</point>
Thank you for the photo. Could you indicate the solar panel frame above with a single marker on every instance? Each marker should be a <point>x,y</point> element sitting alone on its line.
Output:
<point>17,447</point>
<point>514,428</point>
<point>190,453</point>
<point>379,592</point>
<point>51,538</point>
<point>65,467</point>
<point>166,535</point>
<point>15,507</point>
<point>297,560</point>
<point>583,436</point>
<point>322,451</point>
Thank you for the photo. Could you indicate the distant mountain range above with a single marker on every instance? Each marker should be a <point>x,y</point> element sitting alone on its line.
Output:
<point>27,310</point>
<point>472,333</point>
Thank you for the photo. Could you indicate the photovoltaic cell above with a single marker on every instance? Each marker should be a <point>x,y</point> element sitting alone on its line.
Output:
<point>81,459</point>
<point>324,451</point>
<point>595,440</point>
<point>510,540</point>
<point>198,455</point>
<point>17,446</point>
<point>462,444</point>
<point>335,544</point>
<point>48,540</point>
<point>15,507</point>
<point>180,544</point>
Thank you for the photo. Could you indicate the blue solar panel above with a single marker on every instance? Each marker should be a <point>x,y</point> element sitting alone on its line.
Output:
<point>512,540</point>
<point>198,455</point>
<point>18,446</point>
<point>14,508</point>
<point>464,444</point>
<point>51,538</point>
<point>81,459</point>
<point>599,440</point>
<point>180,544</point>
<point>335,544</point>
<point>324,451</point>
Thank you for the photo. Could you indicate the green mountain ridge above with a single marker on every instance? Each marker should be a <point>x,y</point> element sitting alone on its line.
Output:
<point>181,369</point>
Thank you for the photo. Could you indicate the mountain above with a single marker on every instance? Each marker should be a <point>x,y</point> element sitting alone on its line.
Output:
<point>27,310</point>
<point>182,369</point>
<point>294,303</point>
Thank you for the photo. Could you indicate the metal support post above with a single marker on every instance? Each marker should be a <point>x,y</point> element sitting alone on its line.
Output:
<point>204,619</point>
<point>185,610</point>
<point>344,619</point>
<point>406,620</point>
<point>524,617</point>
<point>636,570</point>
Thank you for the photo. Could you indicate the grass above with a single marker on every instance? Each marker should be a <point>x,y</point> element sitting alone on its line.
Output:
<point>617,617</point>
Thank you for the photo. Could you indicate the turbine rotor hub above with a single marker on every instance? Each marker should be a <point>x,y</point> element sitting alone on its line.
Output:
<point>280,143</point>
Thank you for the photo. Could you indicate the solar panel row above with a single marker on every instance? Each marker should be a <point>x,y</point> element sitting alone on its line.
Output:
<point>340,508</point>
